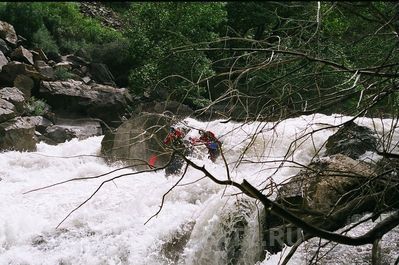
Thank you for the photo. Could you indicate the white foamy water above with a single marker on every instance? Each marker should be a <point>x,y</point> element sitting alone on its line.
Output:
<point>109,229</point>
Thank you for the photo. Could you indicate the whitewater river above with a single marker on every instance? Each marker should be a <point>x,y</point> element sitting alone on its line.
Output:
<point>110,229</point>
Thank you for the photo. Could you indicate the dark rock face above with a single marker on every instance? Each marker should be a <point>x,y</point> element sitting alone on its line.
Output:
<point>17,134</point>
<point>101,101</point>
<point>137,139</point>
<point>351,140</point>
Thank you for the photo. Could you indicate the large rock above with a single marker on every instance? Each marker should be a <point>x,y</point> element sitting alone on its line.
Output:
<point>23,55</point>
<point>13,69</point>
<point>3,60</point>
<point>17,134</point>
<point>46,71</point>
<point>25,84</point>
<point>7,33</point>
<point>97,101</point>
<point>57,134</point>
<point>351,140</point>
<point>7,110</point>
<point>66,129</point>
<point>15,96</point>
<point>40,123</point>
<point>322,184</point>
<point>137,139</point>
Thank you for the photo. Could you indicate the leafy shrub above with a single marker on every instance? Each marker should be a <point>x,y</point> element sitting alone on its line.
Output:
<point>35,106</point>
<point>62,74</point>
<point>44,40</point>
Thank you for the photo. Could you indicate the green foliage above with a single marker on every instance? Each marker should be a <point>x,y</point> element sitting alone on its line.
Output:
<point>46,22</point>
<point>155,29</point>
<point>62,74</point>
<point>36,107</point>
<point>44,40</point>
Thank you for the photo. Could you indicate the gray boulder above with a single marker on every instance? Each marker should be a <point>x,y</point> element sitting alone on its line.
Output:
<point>7,33</point>
<point>58,134</point>
<point>15,96</point>
<point>46,71</point>
<point>137,139</point>
<point>67,129</point>
<point>97,101</point>
<point>7,110</point>
<point>17,134</point>
<point>40,123</point>
<point>23,55</point>
<point>325,181</point>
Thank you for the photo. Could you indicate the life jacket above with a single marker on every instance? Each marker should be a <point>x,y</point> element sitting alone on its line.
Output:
<point>172,136</point>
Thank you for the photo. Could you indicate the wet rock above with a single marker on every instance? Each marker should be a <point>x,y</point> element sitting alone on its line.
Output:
<point>322,184</point>
<point>7,110</point>
<point>7,33</point>
<point>58,134</point>
<point>86,80</point>
<point>17,134</point>
<point>173,246</point>
<point>15,96</point>
<point>137,139</point>
<point>23,55</point>
<point>3,60</point>
<point>351,140</point>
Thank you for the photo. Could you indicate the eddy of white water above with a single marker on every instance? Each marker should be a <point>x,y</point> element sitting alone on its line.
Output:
<point>110,228</point>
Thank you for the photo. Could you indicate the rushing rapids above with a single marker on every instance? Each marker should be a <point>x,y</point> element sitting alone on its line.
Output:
<point>198,218</point>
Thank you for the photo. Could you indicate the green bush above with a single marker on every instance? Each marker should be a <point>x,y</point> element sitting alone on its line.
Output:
<point>44,40</point>
<point>62,74</point>
<point>36,107</point>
